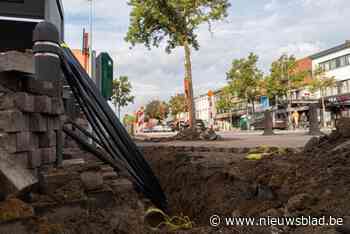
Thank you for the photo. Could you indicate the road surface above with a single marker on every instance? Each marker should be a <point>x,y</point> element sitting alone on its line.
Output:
<point>234,139</point>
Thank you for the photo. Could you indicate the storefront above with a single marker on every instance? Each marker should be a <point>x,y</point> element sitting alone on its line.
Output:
<point>228,121</point>
<point>338,106</point>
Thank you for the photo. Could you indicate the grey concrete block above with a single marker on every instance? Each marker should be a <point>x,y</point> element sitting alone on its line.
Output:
<point>38,123</point>
<point>57,106</point>
<point>8,142</point>
<point>48,155</point>
<point>20,158</point>
<point>18,142</point>
<point>34,158</point>
<point>17,61</point>
<point>17,176</point>
<point>13,80</point>
<point>41,87</point>
<point>24,102</point>
<point>25,141</point>
<point>53,123</point>
<point>47,139</point>
<point>42,104</point>
<point>7,101</point>
<point>13,121</point>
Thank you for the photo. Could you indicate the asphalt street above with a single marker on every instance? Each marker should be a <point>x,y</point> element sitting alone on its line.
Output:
<point>239,139</point>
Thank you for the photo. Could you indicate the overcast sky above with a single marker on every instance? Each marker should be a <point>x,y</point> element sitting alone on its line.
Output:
<point>265,27</point>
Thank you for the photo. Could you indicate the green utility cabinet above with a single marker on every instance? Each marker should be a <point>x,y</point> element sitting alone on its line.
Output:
<point>104,74</point>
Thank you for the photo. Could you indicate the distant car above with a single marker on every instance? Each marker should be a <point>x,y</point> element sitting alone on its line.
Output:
<point>280,123</point>
<point>147,130</point>
<point>161,128</point>
<point>167,129</point>
<point>200,124</point>
<point>173,125</point>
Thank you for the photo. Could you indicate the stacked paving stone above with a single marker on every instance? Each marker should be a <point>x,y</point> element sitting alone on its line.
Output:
<point>30,112</point>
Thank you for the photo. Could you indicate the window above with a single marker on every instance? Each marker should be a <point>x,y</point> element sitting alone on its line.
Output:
<point>347,86</point>
<point>335,90</point>
<point>348,59</point>
<point>333,64</point>
<point>339,88</point>
<point>326,66</point>
<point>337,62</point>
<point>322,66</point>
<point>342,61</point>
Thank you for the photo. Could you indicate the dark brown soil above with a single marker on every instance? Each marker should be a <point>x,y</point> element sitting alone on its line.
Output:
<point>314,183</point>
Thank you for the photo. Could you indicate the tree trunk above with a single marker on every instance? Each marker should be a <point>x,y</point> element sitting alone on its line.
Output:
<point>289,113</point>
<point>276,109</point>
<point>115,107</point>
<point>253,110</point>
<point>188,85</point>
<point>323,110</point>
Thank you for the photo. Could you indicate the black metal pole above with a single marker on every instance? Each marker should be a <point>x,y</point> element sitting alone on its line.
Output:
<point>268,123</point>
<point>313,118</point>
<point>46,38</point>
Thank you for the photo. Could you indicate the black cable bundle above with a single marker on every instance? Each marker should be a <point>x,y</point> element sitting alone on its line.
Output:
<point>112,136</point>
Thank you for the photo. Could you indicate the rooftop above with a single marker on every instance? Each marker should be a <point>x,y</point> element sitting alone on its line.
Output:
<point>332,50</point>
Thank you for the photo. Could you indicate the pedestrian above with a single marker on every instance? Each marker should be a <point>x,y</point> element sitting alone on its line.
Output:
<point>295,118</point>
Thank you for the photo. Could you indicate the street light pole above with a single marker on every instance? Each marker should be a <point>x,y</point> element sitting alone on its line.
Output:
<point>90,39</point>
<point>90,54</point>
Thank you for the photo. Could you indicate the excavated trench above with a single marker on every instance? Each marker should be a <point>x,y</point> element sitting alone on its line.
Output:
<point>201,184</point>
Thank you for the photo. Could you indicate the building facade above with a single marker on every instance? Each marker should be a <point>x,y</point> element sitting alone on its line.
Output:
<point>336,63</point>
<point>202,108</point>
<point>205,108</point>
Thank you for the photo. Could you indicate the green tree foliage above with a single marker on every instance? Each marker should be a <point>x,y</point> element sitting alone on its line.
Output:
<point>245,78</point>
<point>121,93</point>
<point>319,83</point>
<point>175,22</point>
<point>157,110</point>
<point>177,104</point>
<point>284,77</point>
<point>225,102</point>
<point>129,119</point>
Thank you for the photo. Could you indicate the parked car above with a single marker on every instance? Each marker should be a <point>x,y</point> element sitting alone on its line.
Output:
<point>147,130</point>
<point>280,122</point>
<point>161,128</point>
<point>173,125</point>
<point>200,124</point>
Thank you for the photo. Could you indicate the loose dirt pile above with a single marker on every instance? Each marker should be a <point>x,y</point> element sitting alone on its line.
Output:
<point>196,134</point>
<point>189,135</point>
<point>314,182</point>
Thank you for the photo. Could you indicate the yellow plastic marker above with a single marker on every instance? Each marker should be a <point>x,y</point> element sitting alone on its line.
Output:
<point>64,45</point>
<point>155,218</point>
<point>254,156</point>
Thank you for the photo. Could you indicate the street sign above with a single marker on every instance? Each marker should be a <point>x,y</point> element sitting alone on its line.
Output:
<point>264,102</point>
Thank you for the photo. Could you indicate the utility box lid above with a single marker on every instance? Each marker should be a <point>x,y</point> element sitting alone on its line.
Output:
<point>18,19</point>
